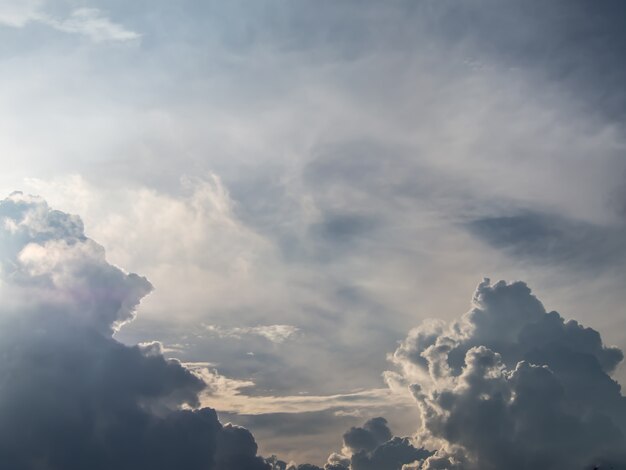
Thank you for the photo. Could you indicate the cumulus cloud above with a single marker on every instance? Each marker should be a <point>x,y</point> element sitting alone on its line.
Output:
<point>89,22</point>
<point>510,385</point>
<point>372,447</point>
<point>72,396</point>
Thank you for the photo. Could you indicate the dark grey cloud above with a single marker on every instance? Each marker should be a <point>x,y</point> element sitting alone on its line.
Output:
<point>72,396</point>
<point>510,385</point>
<point>368,447</point>
<point>373,433</point>
<point>390,455</point>
<point>555,240</point>
<point>373,447</point>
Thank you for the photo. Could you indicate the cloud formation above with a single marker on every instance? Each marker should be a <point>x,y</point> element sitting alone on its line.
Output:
<point>510,385</point>
<point>72,396</point>
<point>372,447</point>
<point>272,333</point>
<point>89,22</point>
<point>557,240</point>
<point>230,395</point>
<point>344,133</point>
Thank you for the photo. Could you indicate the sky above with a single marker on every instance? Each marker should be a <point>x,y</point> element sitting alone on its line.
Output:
<point>266,225</point>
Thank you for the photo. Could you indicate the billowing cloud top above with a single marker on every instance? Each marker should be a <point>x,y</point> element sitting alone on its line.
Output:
<point>72,397</point>
<point>510,385</point>
<point>47,261</point>
<point>372,447</point>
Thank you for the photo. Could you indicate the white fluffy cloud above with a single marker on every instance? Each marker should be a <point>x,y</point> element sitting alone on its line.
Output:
<point>193,242</point>
<point>49,261</point>
<point>510,385</point>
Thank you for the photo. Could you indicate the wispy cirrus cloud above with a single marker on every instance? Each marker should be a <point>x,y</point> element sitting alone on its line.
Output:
<point>229,395</point>
<point>90,22</point>
<point>273,333</point>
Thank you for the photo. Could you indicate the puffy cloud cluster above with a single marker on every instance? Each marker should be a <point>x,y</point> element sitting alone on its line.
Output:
<point>370,447</point>
<point>71,396</point>
<point>373,447</point>
<point>510,385</point>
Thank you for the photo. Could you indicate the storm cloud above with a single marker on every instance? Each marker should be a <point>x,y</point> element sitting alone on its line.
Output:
<point>71,396</point>
<point>509,385</point>
<point>373,447</point>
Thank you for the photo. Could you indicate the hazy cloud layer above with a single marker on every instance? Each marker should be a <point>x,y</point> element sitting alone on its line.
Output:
<point>510,385</point>
<point>273,333</point>
<point>72,396</point>
<point>344,168</point>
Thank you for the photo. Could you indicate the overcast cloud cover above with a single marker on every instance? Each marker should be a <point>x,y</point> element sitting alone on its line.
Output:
<point>303,183</point>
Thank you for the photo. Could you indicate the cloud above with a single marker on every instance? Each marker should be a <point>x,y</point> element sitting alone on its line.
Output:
<point>194,240</point>
<point>373,447</point>
<point>552,239</point>
<point>559,41</point>
<point>510,385</point>
<point>344,133</point>
<point>72,396</point>
<point>228,395</point>
<point>274,333</point>
<point>89,22</point>
<point>370,447</point>
<point>18,13</point>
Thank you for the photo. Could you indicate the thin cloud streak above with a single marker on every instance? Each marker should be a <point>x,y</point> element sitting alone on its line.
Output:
<point>228,395</point>
<point>274,333</point>
<point>89,22</point>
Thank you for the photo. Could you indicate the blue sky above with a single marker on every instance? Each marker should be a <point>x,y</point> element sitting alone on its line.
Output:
<point>304,182</point>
